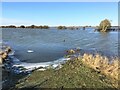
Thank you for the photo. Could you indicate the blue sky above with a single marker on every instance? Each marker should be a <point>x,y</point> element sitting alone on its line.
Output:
<point>59,13</point>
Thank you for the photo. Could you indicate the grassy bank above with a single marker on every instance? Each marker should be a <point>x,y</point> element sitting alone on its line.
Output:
<point>74,74</point>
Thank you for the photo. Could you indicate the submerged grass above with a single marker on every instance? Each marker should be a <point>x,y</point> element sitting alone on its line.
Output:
<point>75,73</point>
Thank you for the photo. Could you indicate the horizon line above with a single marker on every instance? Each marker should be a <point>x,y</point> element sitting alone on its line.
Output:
<point>50,25</point>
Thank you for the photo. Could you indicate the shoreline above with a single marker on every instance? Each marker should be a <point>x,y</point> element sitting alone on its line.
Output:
<point>12,63</point>
<point>16,67</point>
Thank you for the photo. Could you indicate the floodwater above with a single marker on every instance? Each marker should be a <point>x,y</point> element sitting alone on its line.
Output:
<point>37,45</point>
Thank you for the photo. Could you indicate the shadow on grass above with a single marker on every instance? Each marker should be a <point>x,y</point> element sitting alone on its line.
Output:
<point>9,80</point>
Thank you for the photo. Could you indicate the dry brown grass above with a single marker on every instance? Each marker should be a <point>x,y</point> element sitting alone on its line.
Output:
<point>102,64</point>
<point>4,53</point>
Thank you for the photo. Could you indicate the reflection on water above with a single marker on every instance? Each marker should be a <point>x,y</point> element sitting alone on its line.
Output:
<point>51,44</point>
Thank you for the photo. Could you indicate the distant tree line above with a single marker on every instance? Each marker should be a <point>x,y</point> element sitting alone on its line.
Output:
<point>39,27</point>
<point>11,26</point>
<point>22,26</point>
<point>104,26</point>
<point>42,27</point>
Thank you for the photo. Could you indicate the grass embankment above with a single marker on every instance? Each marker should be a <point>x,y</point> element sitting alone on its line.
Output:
<point>75,73</point>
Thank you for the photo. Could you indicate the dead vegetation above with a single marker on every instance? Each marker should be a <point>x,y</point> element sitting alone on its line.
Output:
<point>103,65</point>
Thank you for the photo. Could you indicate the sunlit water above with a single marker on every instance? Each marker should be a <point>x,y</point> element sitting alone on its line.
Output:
<point>36,45</point>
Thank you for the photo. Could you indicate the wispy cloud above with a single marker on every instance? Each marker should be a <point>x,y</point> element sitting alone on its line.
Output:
<point>11,21</point>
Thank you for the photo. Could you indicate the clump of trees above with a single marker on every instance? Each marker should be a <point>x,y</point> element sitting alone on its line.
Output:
<point>104,26</point>
<point>22,26</point>
<point>69,27</point>
<point>33,26</point>
<point>61,27</point>
<point>45,27</point>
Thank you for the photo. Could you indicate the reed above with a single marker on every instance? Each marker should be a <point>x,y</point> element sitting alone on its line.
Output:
<point>102,64</point>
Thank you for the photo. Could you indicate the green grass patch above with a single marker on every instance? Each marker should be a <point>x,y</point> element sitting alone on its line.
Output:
<point>73,74</point>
